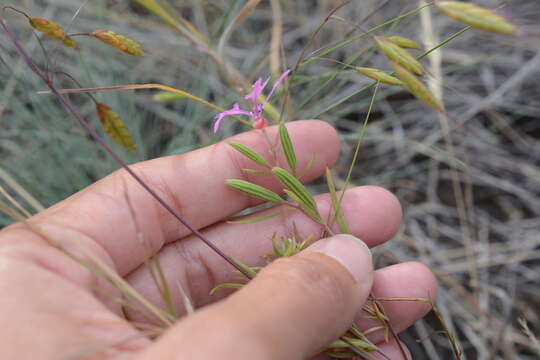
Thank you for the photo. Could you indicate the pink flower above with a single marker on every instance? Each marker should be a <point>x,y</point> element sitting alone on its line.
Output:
<point>256,107</point>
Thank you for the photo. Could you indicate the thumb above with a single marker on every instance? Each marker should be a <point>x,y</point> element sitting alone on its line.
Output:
<point>291,310</point>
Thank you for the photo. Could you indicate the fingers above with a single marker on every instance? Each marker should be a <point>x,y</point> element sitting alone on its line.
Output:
<point>291,310</point>
<point>373,213</point>
<point>117,213</point>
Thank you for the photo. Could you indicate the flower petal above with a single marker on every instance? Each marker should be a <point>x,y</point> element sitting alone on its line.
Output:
<point>235,110</point>
<point>277,84</point>
<point>258,88</point>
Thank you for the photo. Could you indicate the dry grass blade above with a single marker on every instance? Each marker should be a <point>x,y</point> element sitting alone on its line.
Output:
<point>246,10</point>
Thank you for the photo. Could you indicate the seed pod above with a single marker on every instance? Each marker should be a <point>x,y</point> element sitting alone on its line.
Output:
<point>379,75</point>
<point>115,127</point>
<point>251,154</point>
<point>404,42</point>
<point>255,190</point>
<point>398,54</point>
<point>416,87</point>
<point>119,42</point>
<point>476,17</point>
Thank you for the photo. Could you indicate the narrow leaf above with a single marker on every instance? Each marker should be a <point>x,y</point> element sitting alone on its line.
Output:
<point>416,87</point>
<point>255,190</point>
<point>477,17</point>
<point>258,172</point>
<point>115,127</point>
<point>398,54</point>
<point>249,153</point>
<point>258,219</point>
<point>226,286</point>
<point>379,75</point>
<point>404,42</point>
<point>296,187</point>
<point>338,214</point>
<point>308,210</point>
<point>287,146</point>
<point>119,42</point>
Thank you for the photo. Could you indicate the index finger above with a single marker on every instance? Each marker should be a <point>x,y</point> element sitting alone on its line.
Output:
<point>192,183</point>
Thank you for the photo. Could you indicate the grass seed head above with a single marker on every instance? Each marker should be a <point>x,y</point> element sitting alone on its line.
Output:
<point>416,87</point>
<point>119,42</point>
<point>397,54</point>
<point>50,28</point>
<point>404,42</point>
<point>379,75</point>
<point>69,42</point>
<point>115,127</point>
<point>477,17</point>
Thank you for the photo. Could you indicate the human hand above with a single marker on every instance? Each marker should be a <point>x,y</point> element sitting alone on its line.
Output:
<point>52,307</point>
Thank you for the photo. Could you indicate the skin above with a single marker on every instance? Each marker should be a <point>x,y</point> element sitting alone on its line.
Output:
<point>55,307</point>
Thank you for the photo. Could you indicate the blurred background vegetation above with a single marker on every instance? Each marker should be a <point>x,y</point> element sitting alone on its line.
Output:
<point>477,227</point>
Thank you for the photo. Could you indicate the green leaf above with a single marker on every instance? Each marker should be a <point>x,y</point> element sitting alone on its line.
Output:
<point>258,172</point>
<point>305,199</point>
<point>338,214</point>
<point>249,153</point>
<point>258,219</point>
<point>287,146</point>
<point>312,213</point>
<point>255,190</point>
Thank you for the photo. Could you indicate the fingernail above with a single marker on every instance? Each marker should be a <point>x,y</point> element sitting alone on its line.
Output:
<point>349,251</point>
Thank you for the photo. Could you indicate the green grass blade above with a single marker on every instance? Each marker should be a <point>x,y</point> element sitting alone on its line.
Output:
<point>338,214</point>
